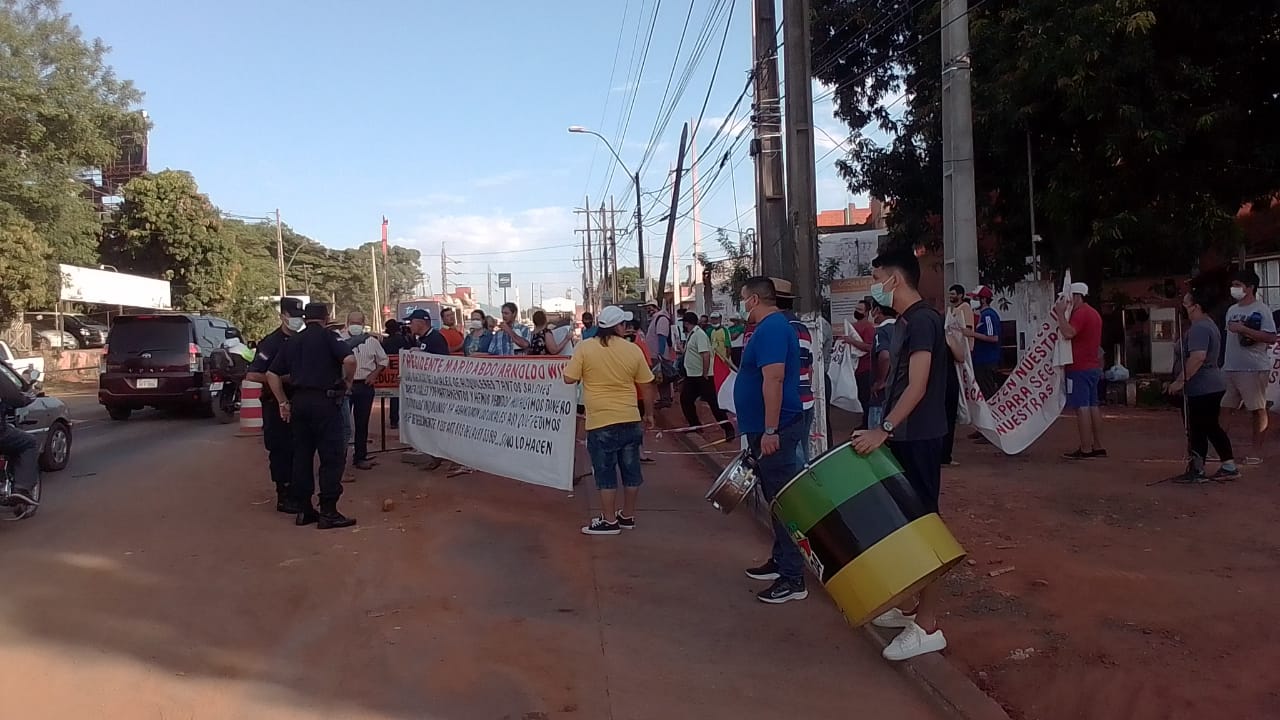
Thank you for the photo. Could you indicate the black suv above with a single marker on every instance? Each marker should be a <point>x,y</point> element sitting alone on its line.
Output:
<point>159,361</point>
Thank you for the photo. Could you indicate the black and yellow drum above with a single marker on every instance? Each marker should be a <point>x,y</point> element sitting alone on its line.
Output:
<point>863,531</point>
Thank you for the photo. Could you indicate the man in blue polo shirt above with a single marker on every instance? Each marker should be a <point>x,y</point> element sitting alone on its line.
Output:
<point>767,398</point>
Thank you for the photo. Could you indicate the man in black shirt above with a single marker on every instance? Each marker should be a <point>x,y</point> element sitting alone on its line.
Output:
<point>392,344</point>
<point>425,337</point>
<point>276,434</point>
<point>914,425</point>
<point>22,450</point>
<point>321,368</point>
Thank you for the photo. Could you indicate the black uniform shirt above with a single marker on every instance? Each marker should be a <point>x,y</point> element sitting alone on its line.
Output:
<point>312,358</point>
<point>268,348</point>
<point>432,341</point>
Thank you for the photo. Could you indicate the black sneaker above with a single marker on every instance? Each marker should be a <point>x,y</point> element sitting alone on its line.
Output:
<point>767,571</point>
<point>1099,453</point>
<point>1077,455</point>
<point>626,523</point>
<point>600,526</point>
<point>783,590</point>
<point>1226,474</point>
<point>333,520</point>
<point>1191,477</point>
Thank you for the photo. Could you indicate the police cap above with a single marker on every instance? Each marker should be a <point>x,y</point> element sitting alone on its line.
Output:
<point>419,314</point>
<point>316,311</point>
<point>291,306</point>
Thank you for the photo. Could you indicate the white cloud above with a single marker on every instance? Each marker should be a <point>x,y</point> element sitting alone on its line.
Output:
<point>532,228</point>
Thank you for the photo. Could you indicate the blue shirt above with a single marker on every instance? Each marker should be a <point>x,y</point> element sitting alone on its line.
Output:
<point>502,344</point>
<point>773,342</point>
<point>590,332</point>
<point>987,323</point>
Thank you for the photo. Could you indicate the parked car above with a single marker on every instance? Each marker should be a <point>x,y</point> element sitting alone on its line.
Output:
<point>30,367</point>
<point>160,361</point>
<point>47,419</point>
<point>87,332</point>
<point>54,340</point>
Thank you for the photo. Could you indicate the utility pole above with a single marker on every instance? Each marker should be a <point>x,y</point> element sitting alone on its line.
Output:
<point>1031,203</point>
<point>280,252</point>
<point>671,222</point>
<point>588,298</point>
<point>602,282</point>
<point>613,251</point>
<point>386,269</point>
<point>766,148</point>
<point>696,272</point>
<point>488,280</point>
<point>644,274</point>
<point>960,222</point>
<point>444,271</point>
<point>802,198</point>
<point>373,265</point>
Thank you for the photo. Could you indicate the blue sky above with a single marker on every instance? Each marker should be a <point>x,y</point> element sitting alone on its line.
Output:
<point>449,118</point>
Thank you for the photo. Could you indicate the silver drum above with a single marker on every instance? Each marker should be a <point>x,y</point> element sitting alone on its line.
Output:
<point>735,483</point>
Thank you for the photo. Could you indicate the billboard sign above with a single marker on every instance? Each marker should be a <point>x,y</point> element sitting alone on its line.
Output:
<point>103,287</point>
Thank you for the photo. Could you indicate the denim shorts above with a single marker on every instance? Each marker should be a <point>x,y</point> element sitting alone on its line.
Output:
<point>614,450</point>
<point>1082,388</point>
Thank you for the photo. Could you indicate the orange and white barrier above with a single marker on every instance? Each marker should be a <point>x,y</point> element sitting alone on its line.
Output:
<point>250,409</point>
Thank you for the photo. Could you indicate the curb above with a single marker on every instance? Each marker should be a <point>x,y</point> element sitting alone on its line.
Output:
<point>936,675</point>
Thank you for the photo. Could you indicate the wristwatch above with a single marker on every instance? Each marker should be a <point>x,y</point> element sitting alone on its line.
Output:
<point>887,427</point>
<point>771,431</point>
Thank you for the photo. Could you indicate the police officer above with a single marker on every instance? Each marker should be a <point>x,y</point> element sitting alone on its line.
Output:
<point>276,434</point>
<point>320,368</point>
<point>425,337</point>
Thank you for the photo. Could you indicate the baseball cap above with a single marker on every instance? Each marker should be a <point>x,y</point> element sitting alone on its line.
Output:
<point>419,314</point>
<point>716,314</point>
<point>1079,288</point>
<point>651,304</point>
<point>691,318</point>
<point>316,311</point>
<point>291,306</point>
<point>612,315</point>
<point>983,292</point>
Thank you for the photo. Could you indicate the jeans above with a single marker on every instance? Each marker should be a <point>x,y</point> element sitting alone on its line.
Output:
<point>1203,427</point>
<point>694,389</point>
<point>361,407</point>
<point>802,449</point>
<point>23,452</point>
<point>776,471</point>
<point>615,450</point>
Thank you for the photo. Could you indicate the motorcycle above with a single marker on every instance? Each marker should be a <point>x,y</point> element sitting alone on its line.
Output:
<point>224,397</point>
<point>11,509</point>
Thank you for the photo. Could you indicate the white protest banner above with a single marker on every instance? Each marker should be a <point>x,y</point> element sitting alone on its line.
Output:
<point>513,417</point>
<point>1028,402</point>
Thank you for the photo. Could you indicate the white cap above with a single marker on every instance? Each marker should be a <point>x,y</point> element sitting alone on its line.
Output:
<point>612,316</point>
<point>716,314</point>
<point>1079,289</point>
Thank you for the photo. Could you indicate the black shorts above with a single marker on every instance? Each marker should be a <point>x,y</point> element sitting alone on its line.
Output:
<point>921,462</point>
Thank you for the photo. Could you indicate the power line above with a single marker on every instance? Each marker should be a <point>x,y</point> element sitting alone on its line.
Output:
<point>617,52</point>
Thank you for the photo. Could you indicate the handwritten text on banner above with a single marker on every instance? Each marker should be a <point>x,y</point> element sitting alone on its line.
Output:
<point>512,417</point>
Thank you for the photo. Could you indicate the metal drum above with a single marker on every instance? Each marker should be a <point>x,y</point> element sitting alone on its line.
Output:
<point>735,483</point>
<point>864,532</point>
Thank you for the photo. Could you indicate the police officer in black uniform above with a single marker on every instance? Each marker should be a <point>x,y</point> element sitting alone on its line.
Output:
<point>276,434</point>
<point>425,337</point>
<point>320,368</point>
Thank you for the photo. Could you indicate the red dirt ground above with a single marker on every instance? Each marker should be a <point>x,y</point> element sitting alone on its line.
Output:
<point>1126,600</point>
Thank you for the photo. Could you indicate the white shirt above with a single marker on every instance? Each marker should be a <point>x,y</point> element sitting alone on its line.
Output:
<point>370,357</point>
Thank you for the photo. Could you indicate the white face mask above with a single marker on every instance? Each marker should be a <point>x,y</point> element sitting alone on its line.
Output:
<point>296,324</point>
<point>1237,293</point>
<point>475,324</point>
<point>355,330</point>
<point>975,304</point>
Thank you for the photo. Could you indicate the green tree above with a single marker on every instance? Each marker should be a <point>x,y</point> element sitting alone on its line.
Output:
<point>629,282</point>
<point>22,265</point>
<point>61,111</point>
<point>1149,130</point>
<point>734,269</point>
<point>166,228</point>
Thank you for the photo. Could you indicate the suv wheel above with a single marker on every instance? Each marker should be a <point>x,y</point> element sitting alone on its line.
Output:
<point>119,412</point>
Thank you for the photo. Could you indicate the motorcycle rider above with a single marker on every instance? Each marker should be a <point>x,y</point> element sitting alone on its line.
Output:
<point>22,450</point>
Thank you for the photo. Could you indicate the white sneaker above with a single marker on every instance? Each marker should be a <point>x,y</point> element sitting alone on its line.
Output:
<point>914,641</point>
<point>894,618</point>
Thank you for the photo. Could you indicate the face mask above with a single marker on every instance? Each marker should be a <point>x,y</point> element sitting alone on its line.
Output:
<point>859,316</point>
<point>476,324</point>
<point>355,330</point>
<point>296,324</point>
<point>975,304</point>
<point>881,296</point>
<point>1237,293</point>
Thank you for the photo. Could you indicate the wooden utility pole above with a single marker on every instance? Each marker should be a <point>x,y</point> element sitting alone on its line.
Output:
<point>771,202</point>
<point>602,279</point>
<point>613,251</point>
<point>802,197</point>
<point>671,221</point>
<point>280,252</point>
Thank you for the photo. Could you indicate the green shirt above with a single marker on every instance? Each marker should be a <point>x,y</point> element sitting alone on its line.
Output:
<point>694,346</point>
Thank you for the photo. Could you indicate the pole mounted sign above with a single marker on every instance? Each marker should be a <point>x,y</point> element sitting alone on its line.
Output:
<point>504,280</point>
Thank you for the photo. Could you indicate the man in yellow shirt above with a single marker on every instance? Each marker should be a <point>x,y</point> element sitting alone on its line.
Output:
<point>720,338</point>
<point>610,369</point>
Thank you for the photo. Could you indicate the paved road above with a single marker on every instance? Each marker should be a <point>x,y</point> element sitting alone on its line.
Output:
<point>158,582</point>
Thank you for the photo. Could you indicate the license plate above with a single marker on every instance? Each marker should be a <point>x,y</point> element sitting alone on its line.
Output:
<point>148,383</point>
<point>215,387</point>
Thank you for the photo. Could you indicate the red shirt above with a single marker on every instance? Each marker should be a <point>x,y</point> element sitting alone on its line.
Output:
<point>1088,339</point>
<point>867,333</point>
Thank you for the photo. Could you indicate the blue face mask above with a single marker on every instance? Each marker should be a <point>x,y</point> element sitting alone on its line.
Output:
<point>880,295</point>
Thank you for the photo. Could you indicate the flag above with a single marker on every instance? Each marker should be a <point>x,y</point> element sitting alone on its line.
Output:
<point>384,237</point>
<point>724,378</point>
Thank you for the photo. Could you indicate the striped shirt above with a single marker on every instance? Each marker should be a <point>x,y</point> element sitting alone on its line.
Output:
<point>806,359</point>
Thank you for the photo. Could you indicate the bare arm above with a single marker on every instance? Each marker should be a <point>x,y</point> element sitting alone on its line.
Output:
<point>706,364</point>
<point>260,378</point>
<point>917,378</point>
<point>1194,362</point>
<point>882,369</point>
<point>276,384</point>
<point>349,369</point>
<point>772,388</point>
<point>555,346</point>
<point>857,342</point>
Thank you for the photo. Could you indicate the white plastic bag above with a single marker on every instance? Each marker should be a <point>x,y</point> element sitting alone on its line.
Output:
<point>844,380</point>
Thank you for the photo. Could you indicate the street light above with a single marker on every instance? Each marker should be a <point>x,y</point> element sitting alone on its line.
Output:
<point>635,176</point>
